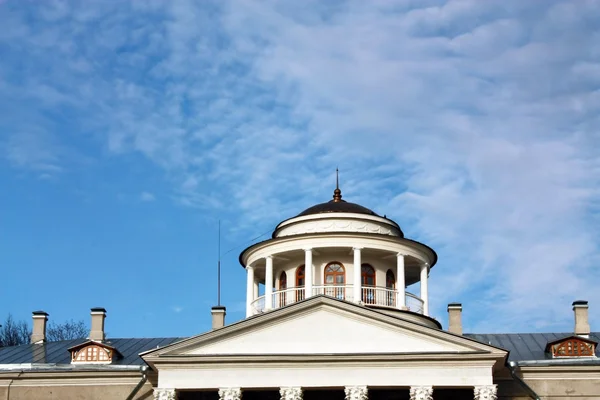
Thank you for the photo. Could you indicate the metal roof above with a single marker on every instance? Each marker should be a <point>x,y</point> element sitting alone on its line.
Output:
<point>58,352</point>
<point>525,346</point>
<point>522,347</point>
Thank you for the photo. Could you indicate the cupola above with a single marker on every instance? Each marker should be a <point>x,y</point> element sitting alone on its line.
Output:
<point>342,250</point>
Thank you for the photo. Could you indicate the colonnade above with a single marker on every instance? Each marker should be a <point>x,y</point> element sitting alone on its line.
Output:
<point>252,283</point>
<point>488,392</point>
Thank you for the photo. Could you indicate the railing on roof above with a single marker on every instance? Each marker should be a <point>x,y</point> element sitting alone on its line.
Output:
<point>376,296</point>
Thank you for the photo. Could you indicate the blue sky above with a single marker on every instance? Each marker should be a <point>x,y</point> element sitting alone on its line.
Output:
<point>128,129</point>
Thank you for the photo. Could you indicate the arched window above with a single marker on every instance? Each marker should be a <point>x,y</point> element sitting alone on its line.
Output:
<point>390,279</point>
<point>92,353</point>
<point>281,296</point>
<point>335,275</point>
<point>573,348</point>
<point>300,282</point>
<point>390,284</point>
<point>283,281</point>
<point>367,277</point>
<point>367,274</point>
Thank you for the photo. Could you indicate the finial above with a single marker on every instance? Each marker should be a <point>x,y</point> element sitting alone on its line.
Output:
<point>337,193</point>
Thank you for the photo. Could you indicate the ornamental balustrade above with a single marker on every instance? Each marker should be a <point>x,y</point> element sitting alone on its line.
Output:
<point>370,295</point>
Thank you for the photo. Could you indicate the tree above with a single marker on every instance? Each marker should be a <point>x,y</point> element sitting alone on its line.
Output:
<point>14,333</point>
<point>68,330</point>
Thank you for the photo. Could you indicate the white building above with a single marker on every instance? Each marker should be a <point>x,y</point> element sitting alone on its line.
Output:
<point>330,314</point>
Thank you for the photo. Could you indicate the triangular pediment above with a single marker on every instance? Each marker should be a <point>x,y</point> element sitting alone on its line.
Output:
<point>321,325</point>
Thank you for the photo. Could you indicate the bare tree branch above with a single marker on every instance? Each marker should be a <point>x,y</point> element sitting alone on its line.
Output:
<point>66,331</point>
<point>14,333</point>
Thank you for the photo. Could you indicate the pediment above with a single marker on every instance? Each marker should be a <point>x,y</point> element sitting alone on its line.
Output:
<point>323,326</point>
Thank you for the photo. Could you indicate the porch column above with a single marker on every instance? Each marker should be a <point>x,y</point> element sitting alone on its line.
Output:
<point>269,283</point>
<point>421,393</point>
<point>164,394</point>
<point>400,282</point>
<point>356,393</point>
<point>291,393</point>
<point>308,273</point>
<point>356,280</point>
<point>230,394</point>
<point>255,288</point>
<point>249,289</point>
<point>489,392</point>
<point>424,288</point>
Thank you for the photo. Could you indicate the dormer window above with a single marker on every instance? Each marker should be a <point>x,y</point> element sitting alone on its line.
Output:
<point>92,353</point>
<point>573,346</point>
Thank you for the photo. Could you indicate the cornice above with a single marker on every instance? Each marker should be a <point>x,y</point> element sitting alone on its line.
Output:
<point>417,246</point>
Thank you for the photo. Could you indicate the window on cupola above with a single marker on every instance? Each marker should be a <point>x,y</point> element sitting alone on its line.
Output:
<point>390,285</point>
<point>335,275</point>
<point>300,282</point>
<point>367,274</point>
<point>282,287</point>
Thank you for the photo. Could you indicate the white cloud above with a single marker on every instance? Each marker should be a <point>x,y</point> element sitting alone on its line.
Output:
<point>474,124</point>
<point>147,197</point>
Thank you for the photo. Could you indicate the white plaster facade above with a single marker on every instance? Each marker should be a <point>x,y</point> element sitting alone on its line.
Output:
<point>358,331</point>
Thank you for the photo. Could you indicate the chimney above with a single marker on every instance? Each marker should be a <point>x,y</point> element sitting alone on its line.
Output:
<point>97,331</point>
<point>38,335</point>
<point>218,317</point>
<point>582,324</point>
<point>455,318</point>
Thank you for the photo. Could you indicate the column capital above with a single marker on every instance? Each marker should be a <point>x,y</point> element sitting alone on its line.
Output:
<point>307,249</point>
<point>356,392</point>
<point>355,248</point>
<point>268,257</point>
<point>421,393</point>
<point>164,394</point>
<point>401,254</point>
<point>290,393</point>
<point>249,267</point>
<point>489,392</point>
<point>230,394</point>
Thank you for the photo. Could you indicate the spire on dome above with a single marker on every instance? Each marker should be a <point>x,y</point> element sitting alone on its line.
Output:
<point>337,193</point>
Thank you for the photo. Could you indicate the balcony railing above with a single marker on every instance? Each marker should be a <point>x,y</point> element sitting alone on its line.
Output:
<point>370,295</point>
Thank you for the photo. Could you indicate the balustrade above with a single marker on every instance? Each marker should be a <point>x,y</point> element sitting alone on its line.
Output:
<point>370,295</point>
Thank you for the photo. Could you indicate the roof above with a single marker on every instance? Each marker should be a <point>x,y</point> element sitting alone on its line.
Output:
<point>522,347</point>
<point>526,346</point>
<point>337,205</point>
<point>341,206</point>
<point>58,352</point>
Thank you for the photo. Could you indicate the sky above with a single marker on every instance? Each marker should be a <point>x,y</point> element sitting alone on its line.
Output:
<point>129,129</point>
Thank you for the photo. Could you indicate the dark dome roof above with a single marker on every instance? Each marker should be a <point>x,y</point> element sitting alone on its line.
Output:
<point>337,206</point>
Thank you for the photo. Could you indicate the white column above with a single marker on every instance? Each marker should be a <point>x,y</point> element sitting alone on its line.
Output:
<point>230,394</point>
<point>424,288</point>
<point>308,273</point>
<point>356,393</point>
<point>291,393</point>
<point>489,392</point>
<point>269,283</point>
<point>400,282</point>
<point>164,394</point>
<point>249,289</point>
<point>421,393</point>
<point>356,280</point>
<point>255,288</point>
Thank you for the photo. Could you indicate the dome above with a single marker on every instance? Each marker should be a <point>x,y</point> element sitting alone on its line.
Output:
<point>341,206</point>
<point>337,205</point>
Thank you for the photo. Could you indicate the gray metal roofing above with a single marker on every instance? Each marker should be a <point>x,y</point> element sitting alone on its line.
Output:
<point>522,346</point>
<point>58,352</point>
<point>525,346</point>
